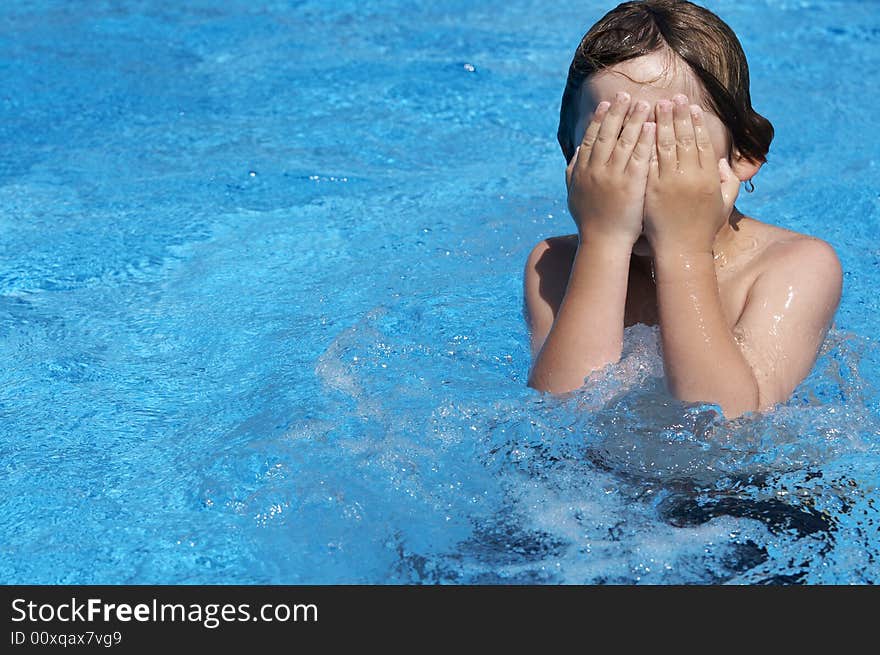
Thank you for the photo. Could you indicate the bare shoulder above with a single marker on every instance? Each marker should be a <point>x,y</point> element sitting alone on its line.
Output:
<point>547,269</point>
<point>554,248</point>
<point>789,308</point>
<point>786,249</point>
<point>789,260</point>
<point>545,280</point>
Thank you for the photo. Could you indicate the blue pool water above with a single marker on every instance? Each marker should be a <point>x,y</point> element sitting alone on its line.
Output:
<point>260,307</point>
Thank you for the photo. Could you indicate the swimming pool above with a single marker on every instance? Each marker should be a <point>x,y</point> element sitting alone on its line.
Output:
<point>260,307</point>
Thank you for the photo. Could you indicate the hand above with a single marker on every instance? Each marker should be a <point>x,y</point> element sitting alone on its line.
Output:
<point>608,174</point>
<point>690,193</point>
<point>729,186</point>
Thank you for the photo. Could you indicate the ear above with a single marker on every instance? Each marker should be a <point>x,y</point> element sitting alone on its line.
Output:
<point>744,168</point>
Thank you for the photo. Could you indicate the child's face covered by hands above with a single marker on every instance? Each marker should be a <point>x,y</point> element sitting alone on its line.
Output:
<point>652,79</point>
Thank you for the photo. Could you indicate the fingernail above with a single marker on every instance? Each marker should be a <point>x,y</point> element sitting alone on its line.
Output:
<point>603,106</point>
<point>680,99</point>
<point>621,97</point>
<point>696,110</point>
<point>664,105</point>
<point>641,105</point>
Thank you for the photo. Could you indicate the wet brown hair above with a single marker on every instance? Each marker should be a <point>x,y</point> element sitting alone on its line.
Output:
<point>696,36</point>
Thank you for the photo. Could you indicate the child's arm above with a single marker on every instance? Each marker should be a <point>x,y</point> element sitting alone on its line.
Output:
<point>774,344</point>
<point>587,332</point>
<point>787,316</point>
<point>701,358</point>
<point>606,185</point>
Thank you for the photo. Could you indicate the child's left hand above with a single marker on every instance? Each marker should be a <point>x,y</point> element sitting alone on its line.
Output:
<point>685,205</point>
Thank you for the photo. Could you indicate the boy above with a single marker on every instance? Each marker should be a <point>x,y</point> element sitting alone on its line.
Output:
<point>652,176</point>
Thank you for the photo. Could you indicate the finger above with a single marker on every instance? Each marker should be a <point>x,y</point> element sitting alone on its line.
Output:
<point>592,131</point>
<point>729,184</point>
<point>665,137</point>
<point>724,170</point>
<point>685,139</point>
<point>705,150</point>
<point>606,140</point>
<point>570,168</point>
<point>654,163</point>
<point>643,152</point>
<point>629,136</point>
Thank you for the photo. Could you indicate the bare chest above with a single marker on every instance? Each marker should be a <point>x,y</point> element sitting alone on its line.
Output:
<point>641,296</point>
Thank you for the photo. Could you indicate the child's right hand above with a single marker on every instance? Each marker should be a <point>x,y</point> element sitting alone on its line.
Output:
<point>607,176</point>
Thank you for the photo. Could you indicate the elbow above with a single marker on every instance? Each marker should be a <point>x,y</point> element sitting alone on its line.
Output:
<point>553,377</point>
<point>745,399</point>
<point>539,383</point>
<point>735,409</point>
<point>544,381</point>
<point>734,401</point>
